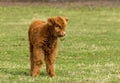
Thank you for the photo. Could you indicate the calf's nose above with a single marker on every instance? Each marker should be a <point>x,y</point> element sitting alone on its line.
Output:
<point>64,33</point>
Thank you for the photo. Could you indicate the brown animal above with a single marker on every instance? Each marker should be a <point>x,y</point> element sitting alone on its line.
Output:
<point>43,41</point>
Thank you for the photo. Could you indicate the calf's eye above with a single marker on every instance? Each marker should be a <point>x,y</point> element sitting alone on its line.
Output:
<point>58,26</point>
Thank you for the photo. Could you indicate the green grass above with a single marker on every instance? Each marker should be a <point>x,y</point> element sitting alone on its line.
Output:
<point>90,52</point>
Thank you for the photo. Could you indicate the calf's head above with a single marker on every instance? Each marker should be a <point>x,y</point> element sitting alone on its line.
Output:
<point>58,25</point>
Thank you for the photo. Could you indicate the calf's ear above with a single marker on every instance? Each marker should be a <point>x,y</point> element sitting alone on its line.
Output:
<point>51,21</point>
<point>66,19</point>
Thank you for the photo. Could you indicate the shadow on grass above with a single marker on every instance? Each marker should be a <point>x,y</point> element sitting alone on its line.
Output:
<point>20,71</point>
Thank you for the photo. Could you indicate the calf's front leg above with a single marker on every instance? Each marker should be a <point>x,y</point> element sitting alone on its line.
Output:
<point>50,63</point>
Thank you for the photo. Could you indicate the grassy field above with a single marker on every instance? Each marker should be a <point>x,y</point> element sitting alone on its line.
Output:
<point>90,52</point>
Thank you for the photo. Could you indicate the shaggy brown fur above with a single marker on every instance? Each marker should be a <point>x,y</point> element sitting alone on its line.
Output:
<point>43,40</point>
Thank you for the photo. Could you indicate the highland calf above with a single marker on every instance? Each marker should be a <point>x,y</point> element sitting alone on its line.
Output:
<point>43,41</point>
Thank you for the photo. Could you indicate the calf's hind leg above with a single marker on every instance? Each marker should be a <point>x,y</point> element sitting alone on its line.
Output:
<point>36,61</point>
